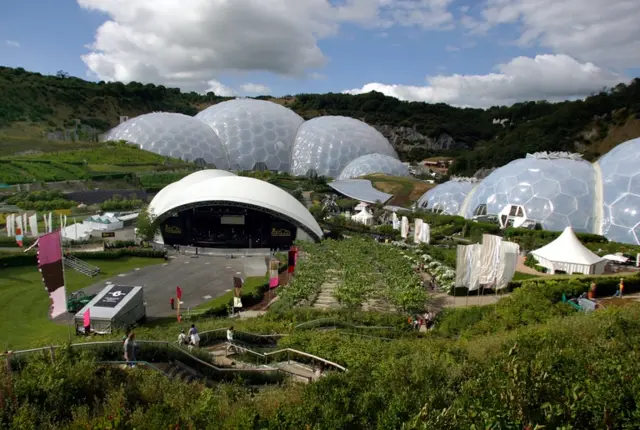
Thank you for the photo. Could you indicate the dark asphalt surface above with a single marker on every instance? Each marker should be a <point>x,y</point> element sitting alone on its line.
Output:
<point>201,279</point>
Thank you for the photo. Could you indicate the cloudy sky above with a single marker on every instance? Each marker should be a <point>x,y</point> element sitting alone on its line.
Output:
<point>461,52</point>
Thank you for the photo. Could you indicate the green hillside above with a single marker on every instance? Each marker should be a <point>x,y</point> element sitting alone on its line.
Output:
<point>32,105</point>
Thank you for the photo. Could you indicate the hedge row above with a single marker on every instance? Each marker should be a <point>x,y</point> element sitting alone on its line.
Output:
<point>29,259</point>
<point>554,287</point>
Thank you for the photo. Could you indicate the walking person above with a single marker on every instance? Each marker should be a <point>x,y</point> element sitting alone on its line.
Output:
<point>194,336</point>
<point>592,291</point>
<point>620,289</point>
<point>230,340</point>
<point>130,349</point>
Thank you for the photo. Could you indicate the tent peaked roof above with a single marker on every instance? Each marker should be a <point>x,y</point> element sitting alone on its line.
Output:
<point>567,249</point>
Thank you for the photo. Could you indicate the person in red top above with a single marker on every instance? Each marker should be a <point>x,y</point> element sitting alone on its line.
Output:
<point>172,302</point>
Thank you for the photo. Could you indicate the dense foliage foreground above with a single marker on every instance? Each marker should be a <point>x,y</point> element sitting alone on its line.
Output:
<point>573,371</point>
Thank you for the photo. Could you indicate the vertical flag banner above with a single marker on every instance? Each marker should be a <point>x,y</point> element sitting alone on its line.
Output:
<point>179,296</point>
<point>11,225</point>
<point>50,264</point>
<point>273,273</point>
<point>24,224</point>
<point>19,231</point>
<point>33,225</point>
<point>291,261</point>
<point>87,318</point>
<point>50,223</point>
<point>46,224</point>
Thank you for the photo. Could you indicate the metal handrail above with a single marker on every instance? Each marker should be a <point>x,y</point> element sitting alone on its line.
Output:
<point>290,350</point>
<point>171,345</point>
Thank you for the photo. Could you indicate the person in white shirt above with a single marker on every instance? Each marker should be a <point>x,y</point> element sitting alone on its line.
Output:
<point>230,339</point>
<point>182,338</point>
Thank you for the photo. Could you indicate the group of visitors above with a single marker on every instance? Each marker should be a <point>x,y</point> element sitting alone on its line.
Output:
<point>192,340</point>
<point>422,322</point>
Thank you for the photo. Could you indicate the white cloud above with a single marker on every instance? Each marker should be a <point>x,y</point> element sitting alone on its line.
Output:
<point>188,43</point>
<point>545,77</point>
<point>219,89</point>
<point>250,88</point>
<point>603,31</point>
<point>12,43</point>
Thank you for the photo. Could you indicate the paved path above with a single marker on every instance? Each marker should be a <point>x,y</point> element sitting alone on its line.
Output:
<point>201,279</point>
<point>325,299</point>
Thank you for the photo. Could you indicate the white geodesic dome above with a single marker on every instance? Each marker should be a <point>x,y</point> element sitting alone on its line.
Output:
<point>447,197</point>
<point>173,135</point>
<point>555,192</point>
<point>255,132</point>
<point>374,163</point>
<point>620,175</point>
<point>327,144</point>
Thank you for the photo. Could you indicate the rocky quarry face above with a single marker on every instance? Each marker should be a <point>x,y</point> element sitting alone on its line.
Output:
<point>405,138</point>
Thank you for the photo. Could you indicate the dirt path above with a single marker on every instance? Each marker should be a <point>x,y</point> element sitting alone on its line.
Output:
<point>441,300</point>
<point>526,269</point>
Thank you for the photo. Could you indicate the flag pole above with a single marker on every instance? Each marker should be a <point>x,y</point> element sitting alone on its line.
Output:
<point>64,283</point>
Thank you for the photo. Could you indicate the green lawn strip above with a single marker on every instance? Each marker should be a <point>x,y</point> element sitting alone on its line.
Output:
<point>519,276</point>
<point>23,320</point>
<point>252,285</point>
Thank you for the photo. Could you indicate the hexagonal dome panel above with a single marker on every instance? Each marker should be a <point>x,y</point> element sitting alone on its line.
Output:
<point>173,135</point>
<point>556,192</point>
<point>447,197</point>
<point>254,131</point>
<point>328,143</point>
<point>374,163</point>
<point>620,170</point>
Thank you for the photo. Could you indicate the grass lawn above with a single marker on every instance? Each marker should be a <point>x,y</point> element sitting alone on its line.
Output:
<point>405,190</point>
<point>519,276</point>
<point>24,322</point>
<point>251,284</point>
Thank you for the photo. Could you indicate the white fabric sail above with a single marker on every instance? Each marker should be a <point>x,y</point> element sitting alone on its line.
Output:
<point>395,221</point>
<point>50,223</point>
<point>417,230</point>
<point>490,259</point>
<point>426,233</point>
<point>33,225</point>
<point>509,253</point>
<point>404,227</point>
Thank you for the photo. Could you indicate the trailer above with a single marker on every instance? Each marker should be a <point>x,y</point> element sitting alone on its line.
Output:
<point>116,307</point>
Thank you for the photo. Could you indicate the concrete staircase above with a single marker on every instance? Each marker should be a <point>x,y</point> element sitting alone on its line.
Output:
<point>81,266</point>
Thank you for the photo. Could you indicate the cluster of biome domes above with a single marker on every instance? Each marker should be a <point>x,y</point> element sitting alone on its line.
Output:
<point>248,134</point>
<point>554,190</point>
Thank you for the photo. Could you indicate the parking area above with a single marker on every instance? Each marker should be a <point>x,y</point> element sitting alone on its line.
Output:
<point>201,279</point>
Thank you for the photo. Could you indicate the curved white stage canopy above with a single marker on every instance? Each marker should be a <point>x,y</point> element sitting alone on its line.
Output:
<point>218,187</point>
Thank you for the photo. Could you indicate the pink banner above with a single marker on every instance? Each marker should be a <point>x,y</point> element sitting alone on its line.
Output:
<point>50,264</point>
<point>273,282</point>
<point>49,248</point>
<point>87,318</point>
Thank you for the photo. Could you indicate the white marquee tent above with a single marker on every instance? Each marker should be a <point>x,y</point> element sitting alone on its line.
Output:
<point>363,217</point>
<point>566,253</point>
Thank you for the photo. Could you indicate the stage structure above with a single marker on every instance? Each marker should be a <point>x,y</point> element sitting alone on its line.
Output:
<point>217,209</point>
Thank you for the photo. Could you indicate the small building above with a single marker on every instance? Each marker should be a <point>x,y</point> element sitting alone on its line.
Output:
<point>115,307</point>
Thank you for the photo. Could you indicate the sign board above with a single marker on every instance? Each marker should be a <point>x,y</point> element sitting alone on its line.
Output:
<point>108,234</point>
<point>280,232</point>
<point>172,229</point>
<point>113,297</point>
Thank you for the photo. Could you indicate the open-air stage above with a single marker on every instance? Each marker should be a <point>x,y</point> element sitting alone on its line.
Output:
<point>201,278</point>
